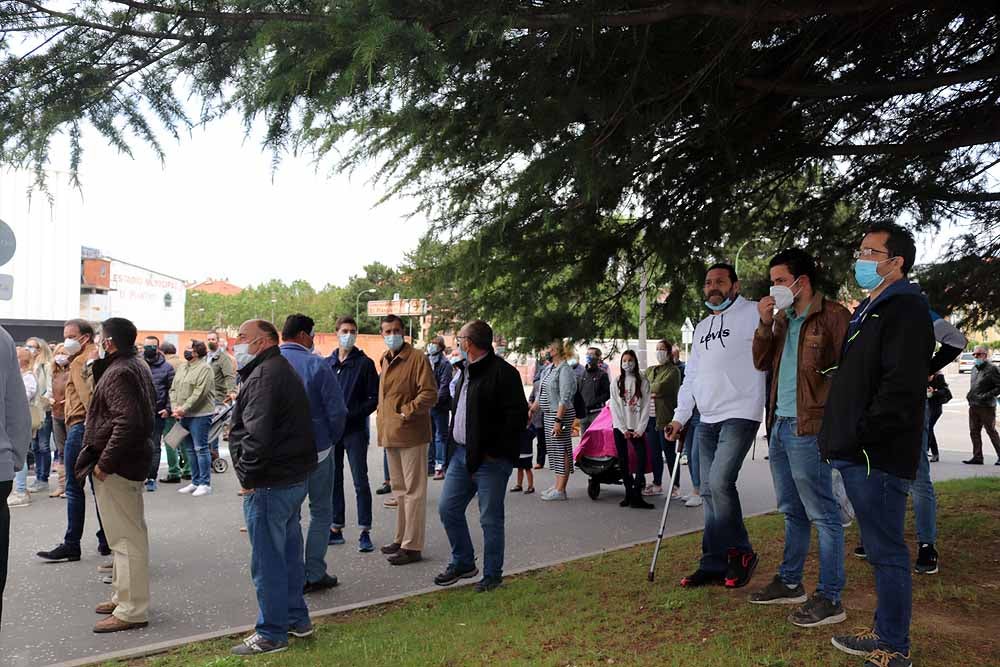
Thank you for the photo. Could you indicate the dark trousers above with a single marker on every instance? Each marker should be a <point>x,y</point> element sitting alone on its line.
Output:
<point>154,466</point>
<point>539,432</point>
<point>5,489</point>
<point>980,418</point>
<point>934,410</point>
<point>633,485</point>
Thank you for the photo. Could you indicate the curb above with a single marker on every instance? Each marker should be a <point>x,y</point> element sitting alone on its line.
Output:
<point>167,645</point>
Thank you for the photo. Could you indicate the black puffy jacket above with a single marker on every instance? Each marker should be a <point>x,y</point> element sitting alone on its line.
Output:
<point>271,434</point>
<point>496,414</point>
<point>874,413</point>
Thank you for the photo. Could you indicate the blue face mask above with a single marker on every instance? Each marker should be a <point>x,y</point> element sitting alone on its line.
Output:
<point>866,274</point>
<point>722,306</point>
<point>393,342</point>
<point>432,349</point>
<point>980,362</point>
<point>465,355</point>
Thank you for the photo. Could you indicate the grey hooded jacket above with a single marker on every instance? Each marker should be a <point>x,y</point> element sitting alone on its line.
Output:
<point>15,420</point>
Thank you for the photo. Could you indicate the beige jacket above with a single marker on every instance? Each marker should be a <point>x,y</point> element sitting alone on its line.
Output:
<point>407,391</point>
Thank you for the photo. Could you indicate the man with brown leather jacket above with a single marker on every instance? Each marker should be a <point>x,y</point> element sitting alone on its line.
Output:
<point>116,451</point>
<point>800,346</point>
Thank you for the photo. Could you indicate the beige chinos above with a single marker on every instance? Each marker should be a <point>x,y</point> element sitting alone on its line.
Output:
<point>122,513</point>
<point>408,476</point>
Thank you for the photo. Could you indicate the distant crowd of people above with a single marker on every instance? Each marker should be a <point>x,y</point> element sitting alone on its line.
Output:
<point>849,402</point>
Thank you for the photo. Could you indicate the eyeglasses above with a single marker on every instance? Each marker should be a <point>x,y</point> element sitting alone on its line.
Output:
<point>980,354</point>
<point>868,252</point>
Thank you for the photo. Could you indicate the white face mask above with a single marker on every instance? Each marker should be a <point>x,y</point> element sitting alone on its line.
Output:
<point>783,296</point>
<point>628,366</point>
<point>72,346</point>
<point>61,359</point>
<point>662,356</point>
<point>242,353</point>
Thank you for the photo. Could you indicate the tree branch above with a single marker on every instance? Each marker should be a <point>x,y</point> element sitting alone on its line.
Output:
<point>226,17</point>
<point>745,11</point>
<point>987,135</point>
<point>985,69</point>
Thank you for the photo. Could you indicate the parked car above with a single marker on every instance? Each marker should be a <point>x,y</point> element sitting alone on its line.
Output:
<point>966,362</point>
<point>996,357</point>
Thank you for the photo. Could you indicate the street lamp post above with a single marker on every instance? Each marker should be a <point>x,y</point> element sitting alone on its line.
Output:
<point>737,267</point>
<point>273,301</point>
<point>357,302</point>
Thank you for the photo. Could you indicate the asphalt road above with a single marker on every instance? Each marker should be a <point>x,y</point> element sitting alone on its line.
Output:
<point>200,568</point>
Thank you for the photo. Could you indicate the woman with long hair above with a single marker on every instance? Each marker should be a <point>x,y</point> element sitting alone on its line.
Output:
<point>555,399</point>
<point>41,447</point>
<point>630,417</point>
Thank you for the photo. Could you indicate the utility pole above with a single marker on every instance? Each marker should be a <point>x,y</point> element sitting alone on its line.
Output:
<point>643,288</point>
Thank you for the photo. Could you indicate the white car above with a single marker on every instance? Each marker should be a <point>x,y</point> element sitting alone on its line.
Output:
<point>966,362</point>
<point>996,357</point>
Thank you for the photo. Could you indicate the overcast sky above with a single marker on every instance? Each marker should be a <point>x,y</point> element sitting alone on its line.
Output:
<point>217,209</point>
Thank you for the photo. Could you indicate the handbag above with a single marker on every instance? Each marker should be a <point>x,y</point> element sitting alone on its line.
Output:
<point>175,436</point>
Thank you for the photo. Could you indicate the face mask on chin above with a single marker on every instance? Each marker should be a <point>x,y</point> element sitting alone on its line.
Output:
<point>716,308</point>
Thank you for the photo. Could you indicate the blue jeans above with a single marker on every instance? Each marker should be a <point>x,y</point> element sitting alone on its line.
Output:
<point>924,500</point>
<point>21,479</point>
<point>722,447</point>
<point>196,449</point>
<point>355,445</point>
<point>41,447</point>
<point>694,467</point>
<point>320,489</point>
<point>438,450</point>
<point>273,518</point>
<point>879,501</point>
<point>804,486</point>
<point>490,483</point>
<point>660,447</point>
<point>76,497</point>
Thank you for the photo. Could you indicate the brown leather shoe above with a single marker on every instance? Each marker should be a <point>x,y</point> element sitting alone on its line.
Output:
<point>405,557</point>
<point>390,549</point>
<point>105,608</point>
<point>115,624</point>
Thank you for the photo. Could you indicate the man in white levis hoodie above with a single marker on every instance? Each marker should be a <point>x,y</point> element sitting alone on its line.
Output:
<point>722,382</point>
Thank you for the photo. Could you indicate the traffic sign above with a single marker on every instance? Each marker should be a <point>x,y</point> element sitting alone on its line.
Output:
<point>401,307</point>
<point>8,243</point>
<point>6,287</point>
<point>687,332</point>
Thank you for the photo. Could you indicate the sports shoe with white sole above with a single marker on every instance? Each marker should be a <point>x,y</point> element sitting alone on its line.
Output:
<point>203,490</point>
<point>693,501</point>
<point>818,611</point>
<point>190,488</point>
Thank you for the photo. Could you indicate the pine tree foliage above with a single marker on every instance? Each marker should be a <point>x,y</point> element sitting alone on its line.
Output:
<point>561,146</point>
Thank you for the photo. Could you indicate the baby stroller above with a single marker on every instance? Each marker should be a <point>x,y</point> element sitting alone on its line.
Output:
<point>220,426</point>
<point>597,456</point>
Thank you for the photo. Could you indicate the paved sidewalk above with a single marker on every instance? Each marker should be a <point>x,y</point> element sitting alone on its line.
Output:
<point>200,572</point>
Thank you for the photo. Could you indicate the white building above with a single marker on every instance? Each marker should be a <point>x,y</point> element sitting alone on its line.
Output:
<point>111,287</point>
<point>45,267</point>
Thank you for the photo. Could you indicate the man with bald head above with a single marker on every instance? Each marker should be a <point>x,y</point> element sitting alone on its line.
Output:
<point>274,454</point>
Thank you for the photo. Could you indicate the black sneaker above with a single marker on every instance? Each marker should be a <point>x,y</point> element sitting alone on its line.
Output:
<point>862,642</point>
<point>257,645</point>
<point>974,462</point>
<point>882,658</point>
<point>452,574</point>
<point>818,611</point>
<point>301,631</point>
<point>859,552</point>
<point>384,489</point>
<point>60,553</point>
<point>487,584</point>
<point>927,560</point>
<point>741,568</point>
<point>104,549</point>
<point>320,585</point>
<point>703,578</point>
<point>778,592</point>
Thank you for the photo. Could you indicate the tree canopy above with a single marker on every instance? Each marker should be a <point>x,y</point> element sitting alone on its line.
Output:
<point>562,148</point>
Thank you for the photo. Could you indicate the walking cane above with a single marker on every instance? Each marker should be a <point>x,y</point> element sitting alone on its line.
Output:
<point>666,507</point>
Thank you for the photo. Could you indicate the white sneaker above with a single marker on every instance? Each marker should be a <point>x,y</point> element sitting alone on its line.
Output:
<point>693,501</point>
<point>203,490</point>
<point>190,488</point>
<point>16,499</point>
<point>38,487</point>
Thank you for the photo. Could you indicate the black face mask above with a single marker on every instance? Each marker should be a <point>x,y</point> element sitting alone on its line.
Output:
<point>213,346</point>
<point>149,351</point>
<point>188,355</point>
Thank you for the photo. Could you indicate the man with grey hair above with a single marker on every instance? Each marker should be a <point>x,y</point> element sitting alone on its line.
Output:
<point>984,387</point>
<point>15,433</point>
<point>490,415</point>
